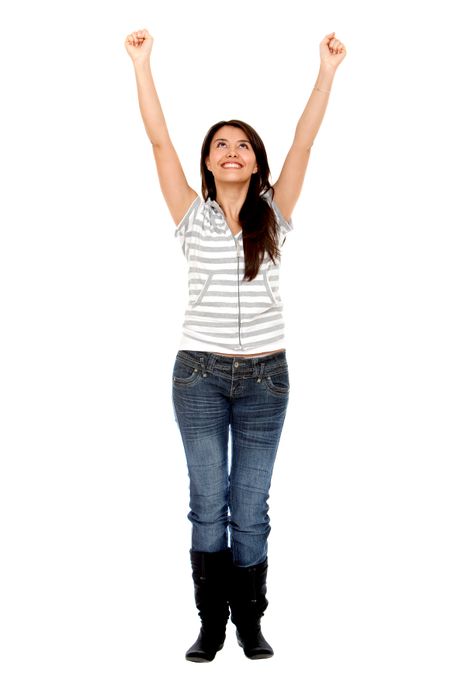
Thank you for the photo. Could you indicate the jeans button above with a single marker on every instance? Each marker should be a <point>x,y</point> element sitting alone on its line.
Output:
<point>236,365</point>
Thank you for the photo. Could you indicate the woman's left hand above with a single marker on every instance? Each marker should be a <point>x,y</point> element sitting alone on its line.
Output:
<point>332,51</point>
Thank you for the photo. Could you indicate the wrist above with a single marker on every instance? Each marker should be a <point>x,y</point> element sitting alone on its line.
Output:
<point>325,77</point>
<point>327,68</point>
<point>142,62</point>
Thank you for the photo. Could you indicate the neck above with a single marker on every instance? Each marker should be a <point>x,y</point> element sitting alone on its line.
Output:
<point>230,199</point>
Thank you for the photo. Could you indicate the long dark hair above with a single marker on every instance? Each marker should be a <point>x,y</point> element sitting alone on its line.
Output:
<point>256,217</point>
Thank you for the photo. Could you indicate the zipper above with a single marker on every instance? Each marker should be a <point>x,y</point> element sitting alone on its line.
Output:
<point>239,297</point>
<point>237,253</point>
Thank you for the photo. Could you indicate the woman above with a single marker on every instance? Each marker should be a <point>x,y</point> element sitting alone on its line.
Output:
<point>231,370</point>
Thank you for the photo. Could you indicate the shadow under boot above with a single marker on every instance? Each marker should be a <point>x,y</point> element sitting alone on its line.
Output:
<point>247,603</point>
<point>210,572</point>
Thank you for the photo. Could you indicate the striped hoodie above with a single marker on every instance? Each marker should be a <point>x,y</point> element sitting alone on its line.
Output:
<point>225,313</point>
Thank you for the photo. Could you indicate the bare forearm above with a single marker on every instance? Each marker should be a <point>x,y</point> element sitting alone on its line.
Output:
<point>150,107</point>
<point>313,114</point>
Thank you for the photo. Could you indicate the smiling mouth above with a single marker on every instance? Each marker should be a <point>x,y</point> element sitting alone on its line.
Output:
<point>231,165</point>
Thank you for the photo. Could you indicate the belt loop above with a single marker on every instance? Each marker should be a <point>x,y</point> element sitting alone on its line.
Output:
<point>202,363</point>
<point>210,364</point>
<point>261,370</point>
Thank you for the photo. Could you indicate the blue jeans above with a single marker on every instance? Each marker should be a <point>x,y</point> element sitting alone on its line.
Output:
<point>212,393</point>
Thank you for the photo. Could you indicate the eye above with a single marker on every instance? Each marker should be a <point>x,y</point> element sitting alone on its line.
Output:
<point>245,145</point>
<point>220,143</point>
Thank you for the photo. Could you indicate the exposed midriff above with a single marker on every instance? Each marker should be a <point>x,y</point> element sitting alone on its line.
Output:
<point>248,355</point>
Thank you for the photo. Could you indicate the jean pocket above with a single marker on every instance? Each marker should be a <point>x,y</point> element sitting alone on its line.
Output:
<point>184,374</point>
<point>278,383</point>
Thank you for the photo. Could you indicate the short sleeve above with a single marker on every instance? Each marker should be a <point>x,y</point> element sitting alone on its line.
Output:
<point>184,228</point>
<point>284,226</point>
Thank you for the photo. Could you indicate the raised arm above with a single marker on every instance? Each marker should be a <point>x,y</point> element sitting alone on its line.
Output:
<point>176,191</point>
<point>288,186</point>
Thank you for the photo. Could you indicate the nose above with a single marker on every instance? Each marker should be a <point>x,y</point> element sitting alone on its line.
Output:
<point>231,152</point>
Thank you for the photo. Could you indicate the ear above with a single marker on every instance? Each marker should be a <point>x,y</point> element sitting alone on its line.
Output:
<point>208,163</point>
<point>255,170</point>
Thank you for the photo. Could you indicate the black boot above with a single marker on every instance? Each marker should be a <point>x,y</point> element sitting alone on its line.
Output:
<point>210,572</point>
<point>247,603</point>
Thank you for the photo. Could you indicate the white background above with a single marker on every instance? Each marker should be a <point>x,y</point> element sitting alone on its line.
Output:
<point>95,574</point>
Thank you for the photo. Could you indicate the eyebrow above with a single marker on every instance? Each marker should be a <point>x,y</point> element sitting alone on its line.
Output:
<point>243,140</point>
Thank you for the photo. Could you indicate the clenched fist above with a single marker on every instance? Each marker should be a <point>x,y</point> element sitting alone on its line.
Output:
<point>139,45</point>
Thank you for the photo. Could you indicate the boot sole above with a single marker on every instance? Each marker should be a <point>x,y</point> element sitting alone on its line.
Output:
<point>198,659</point>
<point>254,657</point>
<point>202,659</point>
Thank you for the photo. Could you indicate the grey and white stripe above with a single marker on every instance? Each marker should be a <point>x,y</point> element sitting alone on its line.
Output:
<point>224,312</point>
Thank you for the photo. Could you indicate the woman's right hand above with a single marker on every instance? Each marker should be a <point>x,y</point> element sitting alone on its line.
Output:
<point>139,45</point>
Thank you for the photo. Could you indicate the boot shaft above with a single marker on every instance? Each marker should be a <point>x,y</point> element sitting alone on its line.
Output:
<point>211,576</point>
<point>248,590</point>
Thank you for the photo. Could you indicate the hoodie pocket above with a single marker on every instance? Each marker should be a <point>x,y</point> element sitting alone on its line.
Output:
<point>268,287</point>
<point>203,290</point>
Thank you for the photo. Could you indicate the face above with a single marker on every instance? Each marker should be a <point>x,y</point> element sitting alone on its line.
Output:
<point>231,157</point>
